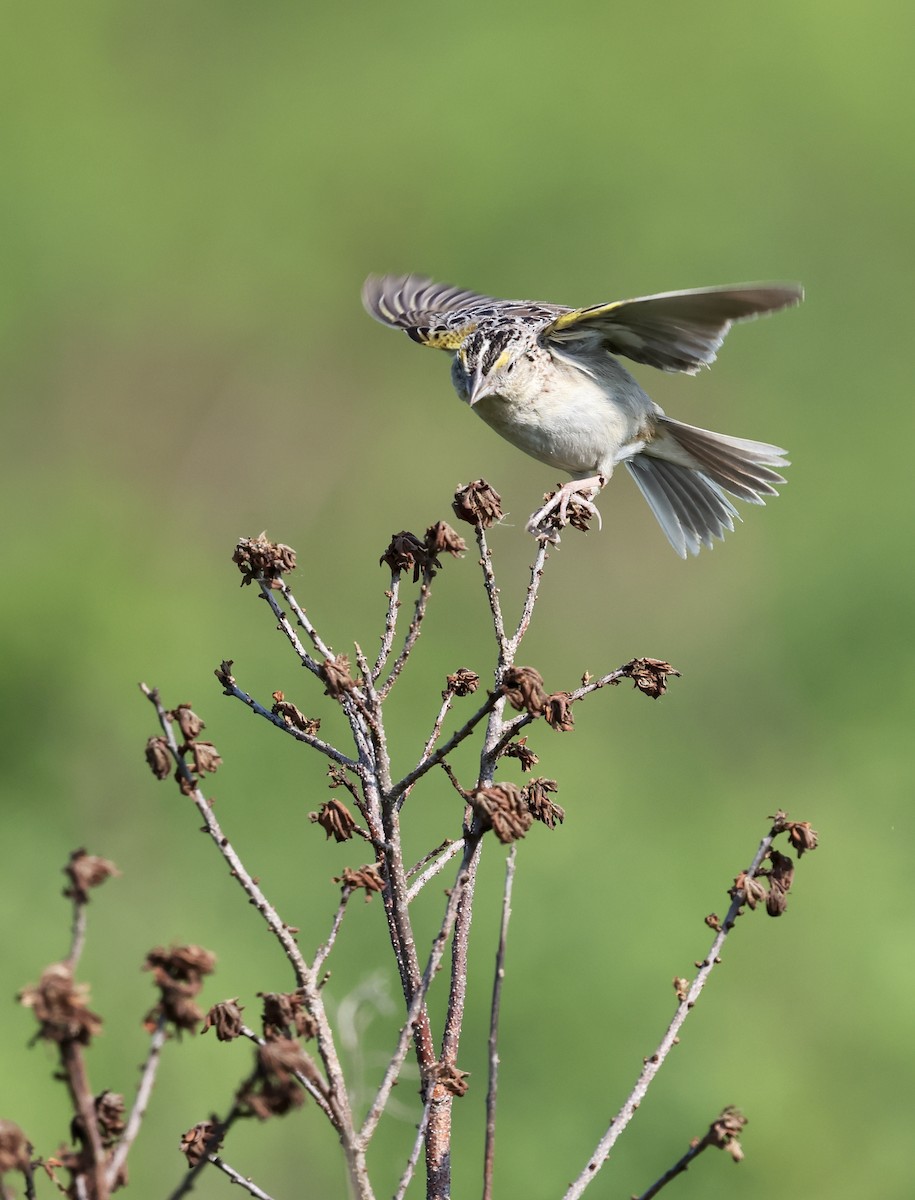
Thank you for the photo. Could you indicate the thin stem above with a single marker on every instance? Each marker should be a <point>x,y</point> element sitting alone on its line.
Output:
<point>316,640</point>
<point>492,1092</point>
<point>140,1104</point>
<point>492,593</point>
<point>77,935</point>
<point>77,1077</point>
<point>677,1169</point>
<point>654,1063</point>
<point>299,734</point>
<point>419,611</point>
<point>390,625</point>
<point>323,951</point>
<point>238,1178</point>
<point>530,600</point>
<point>426,764</point>
<point>433,869</point>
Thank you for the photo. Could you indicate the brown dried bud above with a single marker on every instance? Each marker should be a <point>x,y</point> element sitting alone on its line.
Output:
<point>187,785</point>
<point>335,819</point>
<point>368,877</point>
<point>451,1079</point>
<point>275,1090</point>
<point>441,539</point>
<point>462,683</point>
<point>86,871</point>
<point>558,712</point>
<point>188,963</point>
<point>776,901</point>
<point>224,674</point>
<point>537,795</point>
<point>204,1139</point>
<point>178,974</point>
<point>335,673</point>
<point>15,1148</point>
<point>159,757</point>
<point>406,552</point>
<point>109,1114</point>
<point>801,836</point>
<point>503,808</point>
<point>752,889</point>
<point>681,987</point>
<point>724,1132</point>
<point>477,504</point>
<point>284,1013</point>
<point>60,1007</point>
<point>225,1018</point>
<point>206,757</point>
<point>523,688</point>
<point>522,752</point>
<point>259,558</point>
<point>713,921</point>
<point>649,675</point>
<point>188,721</point>
<point>294,716</point>
<point>781,876</point>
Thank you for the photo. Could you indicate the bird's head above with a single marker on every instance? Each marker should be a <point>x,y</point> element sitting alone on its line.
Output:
<point>484,364</point>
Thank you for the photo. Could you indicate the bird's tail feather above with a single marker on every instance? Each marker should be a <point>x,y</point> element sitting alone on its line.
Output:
<point>684,473</point>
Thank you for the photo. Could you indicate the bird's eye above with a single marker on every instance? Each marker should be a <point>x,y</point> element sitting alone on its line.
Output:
<point>510,367</point>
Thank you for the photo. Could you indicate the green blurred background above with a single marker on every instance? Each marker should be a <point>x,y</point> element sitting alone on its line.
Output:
<point>191,195</point>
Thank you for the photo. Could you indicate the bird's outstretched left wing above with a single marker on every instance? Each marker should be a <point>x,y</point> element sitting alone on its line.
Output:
<point>433,314</point>
<point>675,331</point>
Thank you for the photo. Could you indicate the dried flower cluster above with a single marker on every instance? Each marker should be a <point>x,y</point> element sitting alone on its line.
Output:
<point>259,558</point>
<point>178,973</point>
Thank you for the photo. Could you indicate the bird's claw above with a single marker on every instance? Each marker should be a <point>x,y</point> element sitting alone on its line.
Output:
<point>572,504</point>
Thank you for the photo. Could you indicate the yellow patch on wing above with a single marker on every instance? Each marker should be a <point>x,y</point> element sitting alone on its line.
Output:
<point>568,319</point>
<point>445,339</point>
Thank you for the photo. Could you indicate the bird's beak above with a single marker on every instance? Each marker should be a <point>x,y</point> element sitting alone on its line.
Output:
<point>477,385</point>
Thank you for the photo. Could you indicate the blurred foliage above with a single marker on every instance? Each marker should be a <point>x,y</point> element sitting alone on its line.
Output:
<point>191,196</point>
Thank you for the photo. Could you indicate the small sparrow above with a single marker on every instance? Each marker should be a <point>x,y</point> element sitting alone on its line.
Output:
<point>548,380</point>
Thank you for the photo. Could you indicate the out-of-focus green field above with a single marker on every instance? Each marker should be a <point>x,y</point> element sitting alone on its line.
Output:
<point>190,197</point>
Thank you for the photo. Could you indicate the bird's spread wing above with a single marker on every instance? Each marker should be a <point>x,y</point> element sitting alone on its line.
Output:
<point>439,315</point>
<point>675,331</point>
<point>433,314</point>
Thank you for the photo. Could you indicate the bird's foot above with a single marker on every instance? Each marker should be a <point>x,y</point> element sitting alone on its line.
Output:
<point>572,504</point>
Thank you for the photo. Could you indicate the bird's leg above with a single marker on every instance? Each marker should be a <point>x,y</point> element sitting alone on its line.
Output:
<point>547,521</point>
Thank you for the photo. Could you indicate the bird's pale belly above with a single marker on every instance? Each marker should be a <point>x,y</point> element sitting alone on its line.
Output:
<point>582,433</point>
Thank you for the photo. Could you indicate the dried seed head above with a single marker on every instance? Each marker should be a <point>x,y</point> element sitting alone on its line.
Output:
<point>294,716</point>
<point>558,712</point>
<point>520,750</point>
<point>259,558</point>
<point>542,808</point>
<point>368,877</point>
<point>442,539</point>
<point>86,871</point>
<point>178,973</point>
<point>206,757</point>
<point>15,1148</point>
<point>205,1138</point>
<point>225,1018</point>
<point>503,808</point>
<point>60,1007</point>
<point>188,721</point>
<point>224,674</point>
<point>407,553</point>
<point>159,757</point>
<point>109,1114</point>
<point>462,683</point>
<point>752,889</point>
<point>681,987</point>
<point>801,836</point>
<point>649,675</point>
<point>523,688</point>
<point>284,1014</point>
<point>477,504</point>
<point>335,673</point>
<point>335,819</point>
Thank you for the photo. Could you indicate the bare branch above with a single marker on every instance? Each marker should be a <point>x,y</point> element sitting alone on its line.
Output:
<point>654,1063</point>
<point>140,1104</point>
<point>492,1091</point>
<point>438,865</point>
<point>299,734</point>
<point>390,625</point>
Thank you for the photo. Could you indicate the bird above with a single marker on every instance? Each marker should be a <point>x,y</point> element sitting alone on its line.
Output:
<point>549,380</point>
